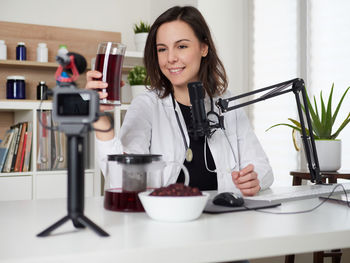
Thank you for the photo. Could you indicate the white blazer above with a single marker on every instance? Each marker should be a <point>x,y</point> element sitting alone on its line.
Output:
<point>150,127</point>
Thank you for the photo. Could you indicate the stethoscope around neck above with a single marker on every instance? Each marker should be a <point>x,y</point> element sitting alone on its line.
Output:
<point>210,114</point>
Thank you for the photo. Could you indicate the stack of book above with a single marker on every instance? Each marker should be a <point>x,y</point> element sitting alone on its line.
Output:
<point>15,148</point>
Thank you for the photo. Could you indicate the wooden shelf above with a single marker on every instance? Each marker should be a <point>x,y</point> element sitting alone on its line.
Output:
<point>12,105</point>
<point>26,63</point>
<point>130,62</point>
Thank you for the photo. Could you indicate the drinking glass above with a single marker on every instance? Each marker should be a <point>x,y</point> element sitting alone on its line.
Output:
<point>109,62</point>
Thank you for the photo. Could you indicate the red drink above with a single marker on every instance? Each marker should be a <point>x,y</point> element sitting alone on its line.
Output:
<point>113,76</point>
<point>118,200</point>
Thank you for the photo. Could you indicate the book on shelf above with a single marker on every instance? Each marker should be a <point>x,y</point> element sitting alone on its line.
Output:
<point>18,137</point>
<point>18,160</point>
<point>23,152</point>
<point>28,148</point>
<point>4,147</point>
<point>10,154</point>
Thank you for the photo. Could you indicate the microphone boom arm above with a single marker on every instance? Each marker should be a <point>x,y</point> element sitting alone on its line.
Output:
<point>297,86</point>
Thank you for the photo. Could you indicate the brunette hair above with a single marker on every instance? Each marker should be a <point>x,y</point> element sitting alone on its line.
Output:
<point>211,73</point>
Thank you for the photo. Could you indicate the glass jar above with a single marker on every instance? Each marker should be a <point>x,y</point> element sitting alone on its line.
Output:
<point>15,87</point>
<point>21,51</point>
<point>41,91</point>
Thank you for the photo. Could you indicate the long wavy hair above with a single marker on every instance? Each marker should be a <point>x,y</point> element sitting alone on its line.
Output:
<point>211,73</point>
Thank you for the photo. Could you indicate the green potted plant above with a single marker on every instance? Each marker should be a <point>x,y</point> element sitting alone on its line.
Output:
<point>322,121</point>
<point>137,80</point>
<point>141,33</point>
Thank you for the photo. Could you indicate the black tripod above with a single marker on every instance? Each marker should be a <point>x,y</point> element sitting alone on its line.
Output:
<point>75,190</point>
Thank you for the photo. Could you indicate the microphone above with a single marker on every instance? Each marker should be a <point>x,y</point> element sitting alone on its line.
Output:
<point>71,62</point>
<point>200,123</point>
<point>64,58</point>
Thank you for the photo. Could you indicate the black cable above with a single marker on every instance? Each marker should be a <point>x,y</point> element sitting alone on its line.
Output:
<point>110,117</point>
<point>308,210</point>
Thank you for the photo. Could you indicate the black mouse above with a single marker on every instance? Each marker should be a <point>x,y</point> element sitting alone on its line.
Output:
<point>228,199</point>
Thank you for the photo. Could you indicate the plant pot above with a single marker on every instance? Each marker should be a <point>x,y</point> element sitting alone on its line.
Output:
<point>137,90</point>
<point>329,154</point>
<point>140,41</point>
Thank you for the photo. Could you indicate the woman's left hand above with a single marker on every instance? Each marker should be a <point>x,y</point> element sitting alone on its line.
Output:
<point>246,180</point>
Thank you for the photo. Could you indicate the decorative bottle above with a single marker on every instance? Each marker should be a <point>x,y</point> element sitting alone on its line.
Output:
<point>3,50</point>
<point>21,51</point>
<point>42,53</point>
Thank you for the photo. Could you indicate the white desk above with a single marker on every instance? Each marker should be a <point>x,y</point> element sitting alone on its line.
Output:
<point>136,238</point>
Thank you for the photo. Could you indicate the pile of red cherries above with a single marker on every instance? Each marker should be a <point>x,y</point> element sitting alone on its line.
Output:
<point>176,190</point>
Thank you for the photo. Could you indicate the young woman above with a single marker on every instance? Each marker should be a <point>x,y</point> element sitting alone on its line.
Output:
<point>180,50</point>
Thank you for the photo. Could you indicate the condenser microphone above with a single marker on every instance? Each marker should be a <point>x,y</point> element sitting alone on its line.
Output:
<point>200,123</point>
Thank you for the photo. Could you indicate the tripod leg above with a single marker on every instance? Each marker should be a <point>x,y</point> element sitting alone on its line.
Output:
<point>48,230</point>
<point>88,223</point>
<point>75,190</point>
<point>77,224</point>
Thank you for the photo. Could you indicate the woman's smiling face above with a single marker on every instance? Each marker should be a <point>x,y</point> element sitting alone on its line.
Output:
<point>179,53</point>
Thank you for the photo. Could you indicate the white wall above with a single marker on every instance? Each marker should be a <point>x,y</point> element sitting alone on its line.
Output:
<point>108,15</point>
<point>159,6</point>
<point>227,21</point>
<point>120,15</point>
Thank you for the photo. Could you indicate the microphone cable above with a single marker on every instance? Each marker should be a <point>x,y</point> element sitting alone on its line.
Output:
<point>111,121</point>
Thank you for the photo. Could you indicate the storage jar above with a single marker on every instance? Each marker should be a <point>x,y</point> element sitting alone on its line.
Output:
<point>15,87</point>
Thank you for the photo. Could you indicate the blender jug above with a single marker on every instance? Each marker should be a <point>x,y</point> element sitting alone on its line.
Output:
<point>135,173</point>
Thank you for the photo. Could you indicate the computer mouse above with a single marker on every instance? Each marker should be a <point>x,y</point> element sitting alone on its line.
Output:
<point>228,199</point>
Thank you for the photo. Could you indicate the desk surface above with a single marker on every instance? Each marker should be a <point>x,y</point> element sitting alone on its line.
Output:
<point>137,238</point>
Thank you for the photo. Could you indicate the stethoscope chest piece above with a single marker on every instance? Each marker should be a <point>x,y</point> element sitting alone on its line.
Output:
<point>189,155</point>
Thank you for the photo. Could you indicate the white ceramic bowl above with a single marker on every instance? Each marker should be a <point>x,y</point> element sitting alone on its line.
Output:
<point>173,208</point>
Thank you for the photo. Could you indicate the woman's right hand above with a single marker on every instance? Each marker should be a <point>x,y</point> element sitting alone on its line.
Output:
<point>103,122</point>
<point>97,85</point>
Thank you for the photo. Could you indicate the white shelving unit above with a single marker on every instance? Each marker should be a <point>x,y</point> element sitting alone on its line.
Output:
<point>48,184</point>
<point>35,184</point>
